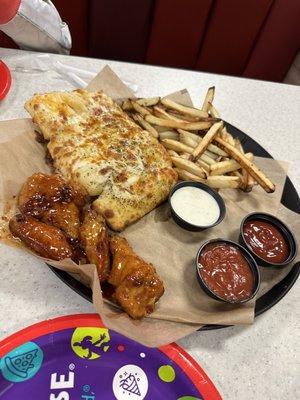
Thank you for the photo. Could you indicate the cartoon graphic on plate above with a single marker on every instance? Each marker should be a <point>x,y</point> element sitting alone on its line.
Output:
<point>130,382</point>
<point>89,343</point>
<point>22,363</point>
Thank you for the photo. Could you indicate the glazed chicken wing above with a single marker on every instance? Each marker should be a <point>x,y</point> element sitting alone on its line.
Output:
<point>46,240</point>
<point>64,216</point>
<point>41,191</point>
<point>138,287</point>
<point>51,199</point>
<point>94,238</point>
<point>80,196</point>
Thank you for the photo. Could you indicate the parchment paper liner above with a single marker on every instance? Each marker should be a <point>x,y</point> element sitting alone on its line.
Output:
<point>184,307</point>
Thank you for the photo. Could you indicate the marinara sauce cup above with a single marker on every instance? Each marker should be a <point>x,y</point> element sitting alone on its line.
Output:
<point>286,233</point>
<point>249,260</point>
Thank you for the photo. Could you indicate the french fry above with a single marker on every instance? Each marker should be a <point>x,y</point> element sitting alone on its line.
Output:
<point>211,147</point>
<point>186,117</point>
<point>245,177</point>
<point>236,173</point>
<point>202,146</point>
<point>161,113</point>
<point>208,98</point>
<point>225,135</point>
<point>192,143</point>
<point>191,135</point>
<point>161,128</point>
<point>250,156</point>
<point>238,145</point>
<point>251,168</point>
<point>245,174</point>
<point>145,125</point>
<point>223,182</point>
<point>176,146</point>
<point>169,135</point>
<point>192,126</point>
<point>250,183</point>
<point>229,138</point>
<point>148,102</point>
<point>211,154</point>
<point>213,111</point>
<point>194,112</point>
<point>204,165</point>
<point>186,156</point>
<point>187,176</point>
<point>126,105</point>
<point>207,159</point>
<point>242,184</point>
<point>172,153</point>
<point>188,166</point>
<point>140,109</point>
<point>223,167</point>
<point>137,118</point>
<point>188,140</point>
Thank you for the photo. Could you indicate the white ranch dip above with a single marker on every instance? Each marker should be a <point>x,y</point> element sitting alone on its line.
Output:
<point>195,206</point>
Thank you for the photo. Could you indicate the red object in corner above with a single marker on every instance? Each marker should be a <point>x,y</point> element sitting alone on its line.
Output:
<point>5,80</point>
<point>8,9</point>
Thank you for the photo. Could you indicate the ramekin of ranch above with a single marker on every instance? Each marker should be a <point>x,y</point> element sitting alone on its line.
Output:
<point>195,206</point>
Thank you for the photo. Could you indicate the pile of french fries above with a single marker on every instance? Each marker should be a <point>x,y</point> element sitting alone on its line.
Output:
<point>201,148</point>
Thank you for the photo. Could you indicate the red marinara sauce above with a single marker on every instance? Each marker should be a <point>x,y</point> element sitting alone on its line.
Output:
<point>266,241</point>
<point>226,271</point>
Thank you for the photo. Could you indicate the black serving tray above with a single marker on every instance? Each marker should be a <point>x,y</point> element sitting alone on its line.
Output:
<point>290,199</point>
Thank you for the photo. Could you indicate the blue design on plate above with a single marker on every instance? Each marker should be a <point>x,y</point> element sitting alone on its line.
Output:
<point>22,363</point>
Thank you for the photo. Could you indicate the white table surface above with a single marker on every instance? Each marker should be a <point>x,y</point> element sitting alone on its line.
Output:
<point>260,361</point>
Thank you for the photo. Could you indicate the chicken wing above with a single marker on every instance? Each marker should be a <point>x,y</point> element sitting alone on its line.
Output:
<point>94,238</point>
<point>41,191</point>
<point>46,240</point>
<point>138,287</point>
<point>79,194</point>
<point>51,199</point>
<point>64,216</point>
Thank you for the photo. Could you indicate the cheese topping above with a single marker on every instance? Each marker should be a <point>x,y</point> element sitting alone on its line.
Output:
<point>92,141</point>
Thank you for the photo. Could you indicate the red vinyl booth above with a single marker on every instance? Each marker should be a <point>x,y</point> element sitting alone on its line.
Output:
<point>256,39</point>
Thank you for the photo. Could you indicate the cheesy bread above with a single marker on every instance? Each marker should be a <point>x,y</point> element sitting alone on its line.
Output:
<point>93,142</point>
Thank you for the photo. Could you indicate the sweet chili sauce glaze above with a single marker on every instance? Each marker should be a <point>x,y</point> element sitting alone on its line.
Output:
<point>266,241</point>
<point>226,272</point>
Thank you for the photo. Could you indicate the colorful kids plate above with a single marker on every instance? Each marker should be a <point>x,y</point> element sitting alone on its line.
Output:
<point>76,357</point>
<point>5,80</point>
